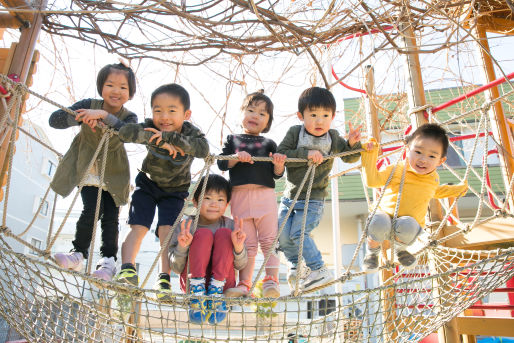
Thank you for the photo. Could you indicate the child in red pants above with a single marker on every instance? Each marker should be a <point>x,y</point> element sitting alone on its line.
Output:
<point>214,250</point>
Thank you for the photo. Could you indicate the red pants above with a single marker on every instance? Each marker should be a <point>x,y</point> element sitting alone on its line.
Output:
<point>210,255</point>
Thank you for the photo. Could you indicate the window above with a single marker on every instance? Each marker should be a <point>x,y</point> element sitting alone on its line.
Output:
<point>44,208</point>
<point>323,307</point>
<point>453,160</point>
<point>37,243</point>
<point>48,168</point>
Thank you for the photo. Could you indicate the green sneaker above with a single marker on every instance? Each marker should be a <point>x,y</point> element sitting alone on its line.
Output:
<point>128,276</point>
<point>124,301</point>
<point>164,293</point>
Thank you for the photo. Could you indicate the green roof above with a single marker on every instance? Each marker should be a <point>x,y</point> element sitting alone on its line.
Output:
<point>395,105</point>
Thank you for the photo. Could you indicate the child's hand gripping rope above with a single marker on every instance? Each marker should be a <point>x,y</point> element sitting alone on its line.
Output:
<point>173,150</point>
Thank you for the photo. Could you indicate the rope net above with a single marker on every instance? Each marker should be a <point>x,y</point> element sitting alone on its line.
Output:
<point>47,303</point>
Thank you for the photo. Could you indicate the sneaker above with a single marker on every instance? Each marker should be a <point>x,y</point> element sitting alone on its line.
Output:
<point>217,306</point>
<point>164,292</point>
<point>105,269</point>
<point>198,307</point>
<point>406,259</point>
<point>70,260</point>
<point>128,276</point>
<point>270,288</point>
<point>317,278</point>
<point>241,290</point>
<point>370,262</point>
<point>293,274</point>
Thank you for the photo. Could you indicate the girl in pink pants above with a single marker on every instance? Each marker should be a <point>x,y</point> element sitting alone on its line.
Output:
<point>253,193</point>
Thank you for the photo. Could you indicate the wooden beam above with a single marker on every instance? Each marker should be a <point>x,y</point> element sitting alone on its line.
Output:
<point>496,115</point>
<point>495,232</point>
<point>493,24</point>
<point>20,65</point>
<point>486,326</point>
<point>12,5</point>
<point>9,22</point>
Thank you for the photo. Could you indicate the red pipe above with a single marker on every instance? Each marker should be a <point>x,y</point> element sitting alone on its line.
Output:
<point>473,92</point>
<point>510,284</point>
<point>345,85</point>
<point>358,34</point>
<point>492,307</point>
<point>453,139</point>
<point>488,181</point>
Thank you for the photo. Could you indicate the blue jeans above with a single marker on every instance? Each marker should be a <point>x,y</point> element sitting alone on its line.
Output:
<point>290,237</point>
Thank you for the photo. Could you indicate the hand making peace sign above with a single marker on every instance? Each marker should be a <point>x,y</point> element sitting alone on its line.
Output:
<point>238,236</point>
<point>185,237</point>
<point>354,135</point>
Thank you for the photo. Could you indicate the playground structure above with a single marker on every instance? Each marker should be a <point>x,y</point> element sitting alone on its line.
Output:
<point>458,277</point>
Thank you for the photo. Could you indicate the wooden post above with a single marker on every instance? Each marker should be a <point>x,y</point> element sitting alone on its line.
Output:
<point>371,108</point>
<point>499,125</point>
<point>388,295</point>
<point>416,96</point>
<point>20,65</point>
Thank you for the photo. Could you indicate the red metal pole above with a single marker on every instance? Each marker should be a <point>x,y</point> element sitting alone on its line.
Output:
<point>473,92</point>
<point>510,284</point>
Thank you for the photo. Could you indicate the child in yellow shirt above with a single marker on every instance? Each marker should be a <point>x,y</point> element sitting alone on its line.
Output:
<point>426,150</point>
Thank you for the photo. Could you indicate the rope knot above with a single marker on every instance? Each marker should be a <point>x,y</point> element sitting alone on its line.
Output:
<point>46,254</point>
<point>4,230</point>
<point>467,229</point>
<point>486,107</point>
<point>501,213</point>
<point>209,159</point>
<point>417,109</point>
<point>345,277</point>
<point>433,243</point>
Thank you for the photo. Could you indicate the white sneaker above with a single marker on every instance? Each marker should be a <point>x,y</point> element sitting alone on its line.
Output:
<point>293,274</point>
<point>317,278</point>
<point>105,268</point>
<point>70,260</point>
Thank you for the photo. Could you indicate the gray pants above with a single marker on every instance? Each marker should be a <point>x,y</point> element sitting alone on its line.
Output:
<point>406,228</point>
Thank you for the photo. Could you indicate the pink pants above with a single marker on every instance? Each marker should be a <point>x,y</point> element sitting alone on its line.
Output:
<point>210,255</point>
<point>257,206</point>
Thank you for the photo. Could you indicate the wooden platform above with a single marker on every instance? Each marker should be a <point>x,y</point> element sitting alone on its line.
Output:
<point>496,233</point>
<point>486,326</point>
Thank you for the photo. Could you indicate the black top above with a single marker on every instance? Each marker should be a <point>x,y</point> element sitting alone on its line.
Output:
<point>259,173</point>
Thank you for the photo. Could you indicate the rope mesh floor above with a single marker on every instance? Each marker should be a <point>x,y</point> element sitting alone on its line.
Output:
<point>48,304</point>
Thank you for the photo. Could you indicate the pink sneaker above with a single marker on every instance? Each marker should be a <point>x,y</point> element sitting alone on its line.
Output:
<point>105,269</point>
<point>242,290</point>
<point>70,260</point>
<point>270,288</point>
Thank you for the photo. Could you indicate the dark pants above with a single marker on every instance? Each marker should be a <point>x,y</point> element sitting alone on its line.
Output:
<point>108,215</point>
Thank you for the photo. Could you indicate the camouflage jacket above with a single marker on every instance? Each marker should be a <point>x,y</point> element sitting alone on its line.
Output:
<point>170,174</point>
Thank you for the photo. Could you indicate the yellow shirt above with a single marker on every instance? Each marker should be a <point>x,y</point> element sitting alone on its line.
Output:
<point>417,190</point>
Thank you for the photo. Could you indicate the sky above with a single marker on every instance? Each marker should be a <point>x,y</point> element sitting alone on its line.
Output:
<point>67,69</point>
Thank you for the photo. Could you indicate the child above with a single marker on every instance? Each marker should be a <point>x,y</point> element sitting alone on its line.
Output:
<point>164,180</point>
<point>253,193</point>
<point>116,84</point>
<point>214,250</point>
<point>426,150</point>
<point>313,140</point>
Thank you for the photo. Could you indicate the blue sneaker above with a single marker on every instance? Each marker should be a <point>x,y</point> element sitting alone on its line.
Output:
<point>218,306</point>
<point>198,307</point>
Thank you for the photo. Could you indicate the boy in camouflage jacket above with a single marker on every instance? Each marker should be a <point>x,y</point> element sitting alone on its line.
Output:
<point>164,178</point>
